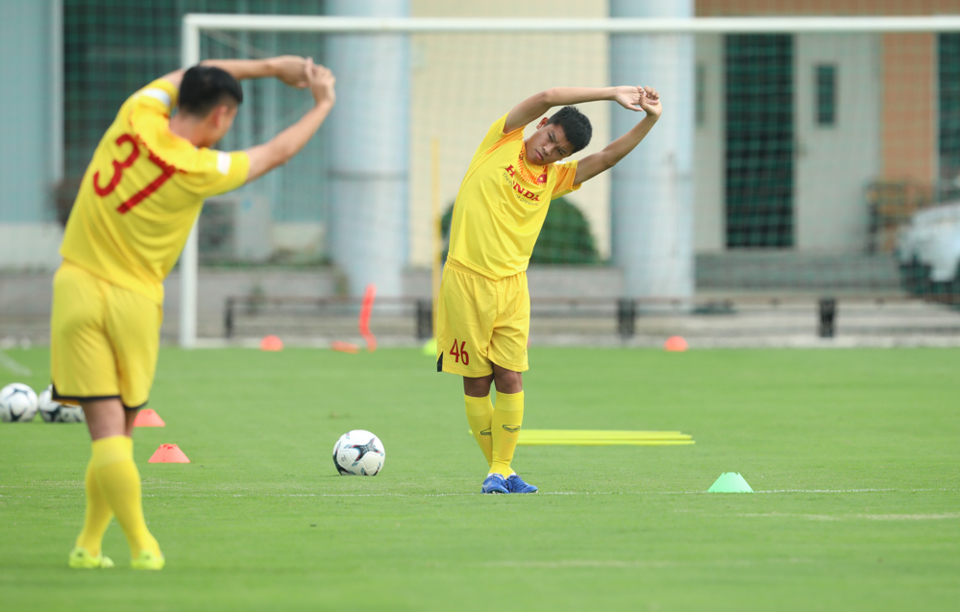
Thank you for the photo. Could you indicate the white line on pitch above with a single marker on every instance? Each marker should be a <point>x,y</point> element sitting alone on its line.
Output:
<point>14,366</point>
<point>847,517</point>
<point>575,493</point>
<point>642,564</point>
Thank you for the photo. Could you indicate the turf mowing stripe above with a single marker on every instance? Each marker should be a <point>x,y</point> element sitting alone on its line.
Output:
<point>167,491</point>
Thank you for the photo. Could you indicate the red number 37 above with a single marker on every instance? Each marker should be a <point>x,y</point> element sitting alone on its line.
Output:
<point>459,353</point>
<point>118,167</point>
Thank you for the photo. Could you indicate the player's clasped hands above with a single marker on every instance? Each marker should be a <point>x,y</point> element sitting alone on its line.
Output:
<point>321,82</point>
<point>302,73</point>
<point>637,98</point>
<point>290,70</point>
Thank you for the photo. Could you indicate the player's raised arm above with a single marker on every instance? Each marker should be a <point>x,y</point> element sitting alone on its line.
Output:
<point>538,104</point>
<point>290,141</point>
<point>288,69</point>
<point>642,98</point>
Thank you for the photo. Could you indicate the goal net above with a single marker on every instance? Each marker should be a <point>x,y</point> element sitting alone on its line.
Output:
<point>792,160</point>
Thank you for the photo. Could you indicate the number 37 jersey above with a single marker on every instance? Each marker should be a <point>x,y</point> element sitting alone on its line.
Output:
<point>142,193</point>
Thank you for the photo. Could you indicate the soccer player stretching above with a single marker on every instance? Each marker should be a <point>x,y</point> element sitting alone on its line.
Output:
<point>138,200</point>
<point>483,316</point>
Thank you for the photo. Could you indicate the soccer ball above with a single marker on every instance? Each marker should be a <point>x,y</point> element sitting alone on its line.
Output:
<point>358,453</point>
<point>53,411</point>
<point>18,403</point>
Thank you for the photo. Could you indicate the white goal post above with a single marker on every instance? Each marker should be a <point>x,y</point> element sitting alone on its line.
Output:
<point>195,24</point>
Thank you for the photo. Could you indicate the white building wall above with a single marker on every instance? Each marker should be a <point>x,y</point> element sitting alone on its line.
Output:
<point>834,164</point>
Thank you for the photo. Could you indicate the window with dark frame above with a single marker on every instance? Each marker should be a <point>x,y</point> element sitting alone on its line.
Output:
<point>826,75</point>
<point>760,142</point>
<point>949,114</point>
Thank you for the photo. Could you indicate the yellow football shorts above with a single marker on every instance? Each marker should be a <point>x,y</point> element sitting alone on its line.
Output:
<point>104,339</point>
<point>481,322</point>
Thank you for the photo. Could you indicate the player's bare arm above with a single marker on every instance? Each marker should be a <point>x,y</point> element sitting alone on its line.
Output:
<point>288,69</point>
<point>290,141</point>
<point>646,99</point>
<point>538,104</point>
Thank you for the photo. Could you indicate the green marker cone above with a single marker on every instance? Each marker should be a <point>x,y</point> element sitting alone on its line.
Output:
<point>730,482</point>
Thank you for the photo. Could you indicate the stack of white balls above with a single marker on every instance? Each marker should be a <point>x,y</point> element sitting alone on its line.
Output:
<point>19,404</point>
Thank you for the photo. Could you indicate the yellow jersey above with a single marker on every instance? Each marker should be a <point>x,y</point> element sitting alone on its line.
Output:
<point>502,204</point>
<point>142,193</point>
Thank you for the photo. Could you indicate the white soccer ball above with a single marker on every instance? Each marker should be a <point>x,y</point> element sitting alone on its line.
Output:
<point>53,411</point>
<point>358,453</point>
<point>18,403</point>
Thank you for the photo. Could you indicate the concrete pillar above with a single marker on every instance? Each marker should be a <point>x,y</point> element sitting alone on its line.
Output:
<point>369,148</point>
<point>652,188</point>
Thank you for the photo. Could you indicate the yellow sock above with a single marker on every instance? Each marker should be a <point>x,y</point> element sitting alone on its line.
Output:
<point>480,417</point>
<point>505,430</point>
<point>98,515</point>
<point>117,475</point>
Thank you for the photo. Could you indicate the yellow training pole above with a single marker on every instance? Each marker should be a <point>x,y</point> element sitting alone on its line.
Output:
<point>601,437</point>
<point>573,434</point>
<point>568,442</point>
<point>437,235</point>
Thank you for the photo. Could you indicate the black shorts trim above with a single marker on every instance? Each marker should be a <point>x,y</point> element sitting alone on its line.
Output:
<point>440,363</point>
<point>76,398</point>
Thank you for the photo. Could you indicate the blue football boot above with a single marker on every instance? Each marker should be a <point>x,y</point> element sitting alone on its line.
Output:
<point>495,483</point>
<point>515,484</point>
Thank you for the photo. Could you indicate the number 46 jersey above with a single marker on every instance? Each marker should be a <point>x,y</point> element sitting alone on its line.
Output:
<point>142,193</point>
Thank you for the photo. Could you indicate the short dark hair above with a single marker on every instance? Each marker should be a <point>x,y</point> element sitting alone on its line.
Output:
<point>576,126</point>
<point>204,88</point>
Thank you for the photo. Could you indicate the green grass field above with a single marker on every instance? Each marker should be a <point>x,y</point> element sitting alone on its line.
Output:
<point>854,456</point>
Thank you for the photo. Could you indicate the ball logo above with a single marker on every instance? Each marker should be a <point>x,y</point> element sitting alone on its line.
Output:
<point>363,449</point>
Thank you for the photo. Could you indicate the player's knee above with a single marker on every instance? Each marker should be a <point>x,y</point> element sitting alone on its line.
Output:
<point>507,381</point>
<point>477,387</point>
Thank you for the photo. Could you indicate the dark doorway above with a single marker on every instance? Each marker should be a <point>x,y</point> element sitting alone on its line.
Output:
<point>759,140</point>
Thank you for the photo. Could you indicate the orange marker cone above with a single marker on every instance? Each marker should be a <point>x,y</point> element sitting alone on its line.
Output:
<point>366,309</point>
<point>169,453</point>
<point>271,343</point>
<point>148,418</point>
<point>676,344</point>
<point>344,347</point>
